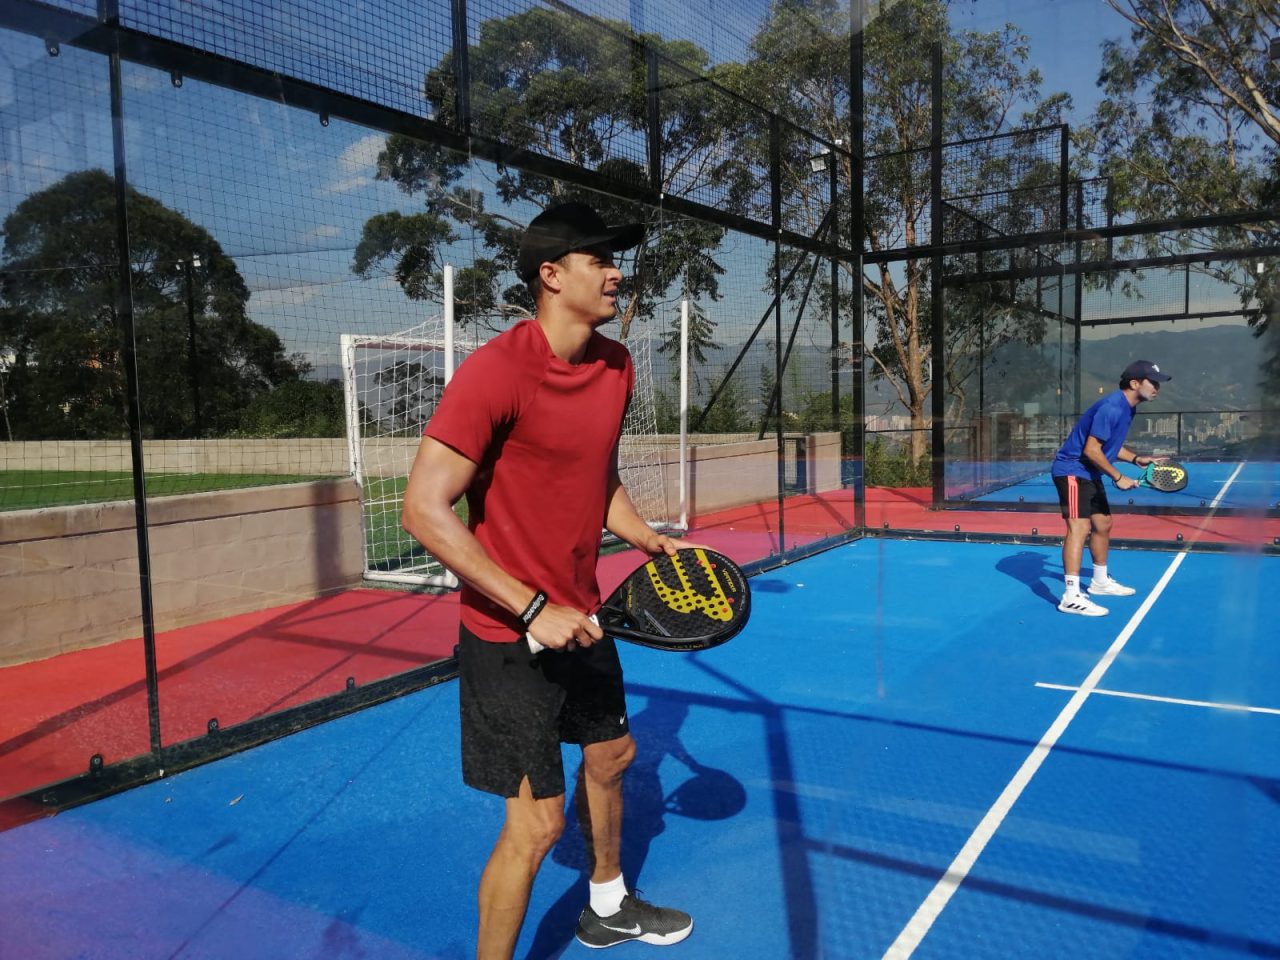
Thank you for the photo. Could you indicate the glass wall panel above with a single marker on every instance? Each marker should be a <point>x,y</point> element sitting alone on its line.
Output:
<point>896,331</point>
<point>269,264</point>
<point>733,478</point>
<point>812,403</point>
<point>1158,258</point>
<point>72,669</point>
<point>381,53</point>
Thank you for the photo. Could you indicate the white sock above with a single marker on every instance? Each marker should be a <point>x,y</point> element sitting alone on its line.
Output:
<point>1073,583</point>
<point>606,898</point>
<point>1099,573</point>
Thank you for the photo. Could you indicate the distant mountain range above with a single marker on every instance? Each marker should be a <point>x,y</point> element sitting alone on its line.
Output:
<point>1213,368</point>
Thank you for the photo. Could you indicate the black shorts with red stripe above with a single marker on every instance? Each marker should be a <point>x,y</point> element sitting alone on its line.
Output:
<point>1080,497</point>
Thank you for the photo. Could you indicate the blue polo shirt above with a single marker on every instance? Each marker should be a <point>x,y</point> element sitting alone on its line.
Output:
<point>1109,421</point>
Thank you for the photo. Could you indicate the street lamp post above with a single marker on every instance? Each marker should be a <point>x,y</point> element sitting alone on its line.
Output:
<point>192,353</point>
<point>4,403</point>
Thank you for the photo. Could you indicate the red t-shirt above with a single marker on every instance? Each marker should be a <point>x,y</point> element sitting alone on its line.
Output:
<point>544,434</point>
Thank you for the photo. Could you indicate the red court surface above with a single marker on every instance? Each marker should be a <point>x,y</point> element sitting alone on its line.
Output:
<point>908,508</point>
<point>62,711</point>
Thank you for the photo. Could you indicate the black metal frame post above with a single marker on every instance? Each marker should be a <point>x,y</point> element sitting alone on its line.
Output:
<point>834,172</point>
<point>937,365</point>
<point>193,351</point>
<point>775,210</point>
<point>109,13</point>
<point>653,108</point>
<point>857,232</point>
<point>461,47</point>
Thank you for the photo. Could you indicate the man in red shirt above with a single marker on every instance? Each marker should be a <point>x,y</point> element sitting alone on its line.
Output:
<point>528,430</point>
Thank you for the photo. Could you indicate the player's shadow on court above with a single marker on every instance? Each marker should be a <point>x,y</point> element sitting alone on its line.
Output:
<point>708,794</point>
<point>1030,568</point>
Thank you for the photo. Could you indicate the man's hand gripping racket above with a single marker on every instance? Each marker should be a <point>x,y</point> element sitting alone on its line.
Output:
<point>1167,476</point>
<point>691,601</point>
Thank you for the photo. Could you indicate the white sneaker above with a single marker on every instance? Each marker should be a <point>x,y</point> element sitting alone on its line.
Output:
<point>1110,588</point>
<point>1079,603</point>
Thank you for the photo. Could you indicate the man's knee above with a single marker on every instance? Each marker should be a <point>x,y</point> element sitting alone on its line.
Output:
<point>1102,523</point>
<point>532,825</point>
<point>537,830</point>
<point>1078,527</point>
<point>607,761</point>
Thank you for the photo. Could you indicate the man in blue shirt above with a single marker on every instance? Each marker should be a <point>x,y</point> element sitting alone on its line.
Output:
<point>1092,448</point>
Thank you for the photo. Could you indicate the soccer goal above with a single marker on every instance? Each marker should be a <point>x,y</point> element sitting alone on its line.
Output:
<point>392,383</point>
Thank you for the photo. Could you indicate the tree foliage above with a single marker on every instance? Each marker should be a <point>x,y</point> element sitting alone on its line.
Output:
<point>296,408</point>
<point>61,333</point>
<point>559,86</point>
<point>801,67</point>
<point>1190,124</point>
<point>1190,127</point>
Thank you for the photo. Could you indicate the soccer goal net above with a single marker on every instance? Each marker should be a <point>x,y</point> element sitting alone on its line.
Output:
<point>392,383</point>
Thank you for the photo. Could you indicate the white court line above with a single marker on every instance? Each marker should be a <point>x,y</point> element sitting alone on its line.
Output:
<point>1230,480</point>
<point>928,911</point>
<point>1217,705</point>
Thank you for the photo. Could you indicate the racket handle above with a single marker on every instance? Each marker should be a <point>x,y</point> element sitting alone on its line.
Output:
<point>535,647</point>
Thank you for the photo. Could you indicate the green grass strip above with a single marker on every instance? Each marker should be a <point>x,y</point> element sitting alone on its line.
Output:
<point>31,489</point>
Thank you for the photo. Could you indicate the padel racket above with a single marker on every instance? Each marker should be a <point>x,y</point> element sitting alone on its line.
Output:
<point>1167,476</point>
<point>694,600</point>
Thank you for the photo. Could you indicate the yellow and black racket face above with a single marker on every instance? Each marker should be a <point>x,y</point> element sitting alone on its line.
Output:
<point>1167,476</point>
<point>694,600</point>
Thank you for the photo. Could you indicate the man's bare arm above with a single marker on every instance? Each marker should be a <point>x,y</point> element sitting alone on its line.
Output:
<point>1093,452</point>
<point>439,478</point>
<point>624,522</point>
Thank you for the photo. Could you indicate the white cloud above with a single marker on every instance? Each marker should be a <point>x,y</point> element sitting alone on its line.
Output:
<point>355,165</point>
<point>361,156</point>
<point>345,185</point>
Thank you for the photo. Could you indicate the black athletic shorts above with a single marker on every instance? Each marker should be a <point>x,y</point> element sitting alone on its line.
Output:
<point>1081,498</point>
<point>518,707</point>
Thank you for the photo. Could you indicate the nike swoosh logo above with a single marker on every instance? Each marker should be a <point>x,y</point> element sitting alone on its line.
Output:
<point>633,930</point>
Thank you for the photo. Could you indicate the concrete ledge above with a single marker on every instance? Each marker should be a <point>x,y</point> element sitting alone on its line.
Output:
<point>70,574</point>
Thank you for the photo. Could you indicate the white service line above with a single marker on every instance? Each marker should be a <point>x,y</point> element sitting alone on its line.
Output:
<point>1230,480</point>
<point>1215,704</point>
<point>928,911</point>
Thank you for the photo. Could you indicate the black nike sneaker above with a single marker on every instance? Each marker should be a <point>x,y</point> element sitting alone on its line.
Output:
<point>636,920</point>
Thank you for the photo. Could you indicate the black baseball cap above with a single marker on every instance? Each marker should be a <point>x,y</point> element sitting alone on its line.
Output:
<point>1143,370</point>
<point>567,227</point>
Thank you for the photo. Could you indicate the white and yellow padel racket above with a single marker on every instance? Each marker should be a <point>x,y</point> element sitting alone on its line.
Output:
<point>1167,476</point>
<point>692,601</point>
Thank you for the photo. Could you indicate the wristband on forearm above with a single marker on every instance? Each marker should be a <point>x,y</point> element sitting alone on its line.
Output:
<point>534,608</point>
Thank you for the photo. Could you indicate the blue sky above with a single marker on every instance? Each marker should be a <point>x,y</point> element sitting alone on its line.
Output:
<point>288,197</point>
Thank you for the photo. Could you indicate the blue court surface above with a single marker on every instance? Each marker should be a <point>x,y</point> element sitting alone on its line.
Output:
<point>1248,485</point>
<point>908,752</point>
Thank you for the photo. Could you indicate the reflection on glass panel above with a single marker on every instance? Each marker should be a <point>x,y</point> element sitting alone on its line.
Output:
<point>560,85</point>
<point>378,52</point>
<point>896,327</point>
<point>288,339</point>
<point>71,662</point>
<point>812,404</point>
<point>731,485</point>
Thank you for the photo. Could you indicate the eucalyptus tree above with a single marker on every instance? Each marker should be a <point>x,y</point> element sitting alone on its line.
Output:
<point>552,84</point>
<point>1190,127</point>
<point>800,68</point>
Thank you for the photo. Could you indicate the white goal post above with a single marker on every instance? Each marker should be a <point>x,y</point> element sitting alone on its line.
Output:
<point>392,383</point>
